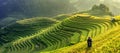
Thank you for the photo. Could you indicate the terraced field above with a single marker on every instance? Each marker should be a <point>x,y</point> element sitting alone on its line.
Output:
<point>107,43</point>
<point>23,28</point>
<point>70,33</point>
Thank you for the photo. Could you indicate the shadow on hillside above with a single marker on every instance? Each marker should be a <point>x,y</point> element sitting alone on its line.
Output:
<point>87,50</point>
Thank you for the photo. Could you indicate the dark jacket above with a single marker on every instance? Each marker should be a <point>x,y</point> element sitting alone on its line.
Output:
<point>89,42</point>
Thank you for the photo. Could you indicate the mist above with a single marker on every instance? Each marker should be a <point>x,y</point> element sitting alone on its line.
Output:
<point>33,8</point>
<point>13,10</point>
<point>83,5</point>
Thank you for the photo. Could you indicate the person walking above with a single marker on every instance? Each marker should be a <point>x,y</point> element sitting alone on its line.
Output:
<point>89,42</point>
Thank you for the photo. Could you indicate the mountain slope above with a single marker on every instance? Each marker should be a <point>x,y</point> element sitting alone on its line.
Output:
<point>107,43</point>
<point>62,16</point>
<point>60,35</point>
<point>99,10</point>
<point>23,28</point>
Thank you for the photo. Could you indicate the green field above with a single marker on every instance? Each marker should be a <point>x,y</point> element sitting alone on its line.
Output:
<point>68,36</point>
<point>25,27</point>
<point>65,33</point>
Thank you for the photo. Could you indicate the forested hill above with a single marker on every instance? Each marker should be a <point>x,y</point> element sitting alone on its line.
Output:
<point>99,10</point>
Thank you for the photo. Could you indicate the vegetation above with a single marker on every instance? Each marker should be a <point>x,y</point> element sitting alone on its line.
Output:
<point>99,10</point>
<point>62,17</point>
<point>61,35</point>
<point>24,28</point>
<point>64,33</point>
<point>104,43</point>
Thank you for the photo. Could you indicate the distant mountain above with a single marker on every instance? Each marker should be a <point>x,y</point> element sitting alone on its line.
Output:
<point>83,5</point>
<point>12,18</point>
<point>12,10</point>
<point>35,8</point>
<point>99,10</point>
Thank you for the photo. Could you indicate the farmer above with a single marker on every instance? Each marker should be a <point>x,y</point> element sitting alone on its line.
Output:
<point>89,42</point>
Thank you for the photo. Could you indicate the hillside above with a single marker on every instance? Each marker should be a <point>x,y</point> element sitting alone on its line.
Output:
<point>64,33</point>
<point>107,43</point>
<point>73,30</point>
<point>99,10</point>
<point>7,21</point>
<point>62,16</point>
<point>23,28</point>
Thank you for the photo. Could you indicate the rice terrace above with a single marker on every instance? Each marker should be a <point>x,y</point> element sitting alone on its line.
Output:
<point>53,26</point>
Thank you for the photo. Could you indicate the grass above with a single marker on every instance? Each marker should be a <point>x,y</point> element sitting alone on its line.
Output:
<point>101,44</point>
<point>25,28</point>
<point>70,33</point>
